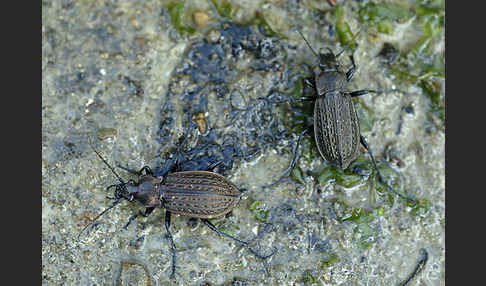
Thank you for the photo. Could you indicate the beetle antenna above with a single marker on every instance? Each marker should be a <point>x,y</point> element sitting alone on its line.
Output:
<point>348,44</point>
<point>102,213</point>
<point>104,161</point>
<point>309,46</point>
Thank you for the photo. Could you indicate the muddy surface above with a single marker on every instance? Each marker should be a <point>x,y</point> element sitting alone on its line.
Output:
<point>148,81</point>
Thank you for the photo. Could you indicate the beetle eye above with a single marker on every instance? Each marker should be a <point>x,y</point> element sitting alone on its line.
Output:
<point>130,182</point>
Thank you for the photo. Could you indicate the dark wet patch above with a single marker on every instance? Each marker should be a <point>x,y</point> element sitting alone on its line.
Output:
<point>227,80</point>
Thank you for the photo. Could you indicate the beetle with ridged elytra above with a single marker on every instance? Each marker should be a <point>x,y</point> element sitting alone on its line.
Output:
<point>199,194</point>
<point>336,124</point>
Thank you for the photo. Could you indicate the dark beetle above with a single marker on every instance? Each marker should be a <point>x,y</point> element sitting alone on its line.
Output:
<point>198,194</point>
<point>336,124</point>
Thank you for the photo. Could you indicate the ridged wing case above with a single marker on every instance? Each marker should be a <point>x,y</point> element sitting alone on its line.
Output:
<point>199,194</point>
<point>336,128</point>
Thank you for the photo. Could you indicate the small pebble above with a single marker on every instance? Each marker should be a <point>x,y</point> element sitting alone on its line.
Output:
<point>213,36</point>
<point>105,133</point>
<point>200,19</point>
<point>200,119</point>
<point>389,53</point>
<point>409,109</point>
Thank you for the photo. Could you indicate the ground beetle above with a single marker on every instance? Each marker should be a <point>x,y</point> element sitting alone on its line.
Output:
<point>336,124</point>
<point>197,194</point>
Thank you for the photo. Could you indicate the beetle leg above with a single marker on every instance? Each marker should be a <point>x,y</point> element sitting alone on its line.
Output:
<point>131,171</point>
<point>285,98</point>
<point>173,247</point>
<point>310,82</point>
<point>250,156</point>
<point>130,220</point>
<point>214,165</point>
<point>424,256</point>
<point>350,72</point>
<point>169,166</point>
<point>305,98</point>
<point>296,154</point>
<point>294,161</point>
<point>147,170</point>
<point>111,186</point>
<point>380,177</point>
<point>244,243</point>
<point>148,211</point>
<point>360,92</point>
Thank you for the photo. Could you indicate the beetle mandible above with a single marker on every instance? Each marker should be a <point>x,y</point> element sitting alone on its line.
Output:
<point>199,194</point>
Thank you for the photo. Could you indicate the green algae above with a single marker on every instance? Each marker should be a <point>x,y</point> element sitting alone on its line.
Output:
<point>177,17</point>
<point>346,178</point>
<point>420,207</point>
<point>343,30</point>
<point>297,175</point>
<point>259,212</point>
<point>329,260</point>
<point>223,7</point>
<point>383,16</point>
<point>366,116</point>
<point>419,63</point>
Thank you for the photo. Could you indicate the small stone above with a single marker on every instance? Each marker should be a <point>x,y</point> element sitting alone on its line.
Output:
<point>134,274</point>
<point>105,133</point>
<point>409,109</point>
<point>388,53</point>
<point>200,119</point>
<point>213,36</point>
<point>200,19</point>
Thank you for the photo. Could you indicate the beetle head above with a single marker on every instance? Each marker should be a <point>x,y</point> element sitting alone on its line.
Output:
<point>328,61</point>
<point>124,191</point>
